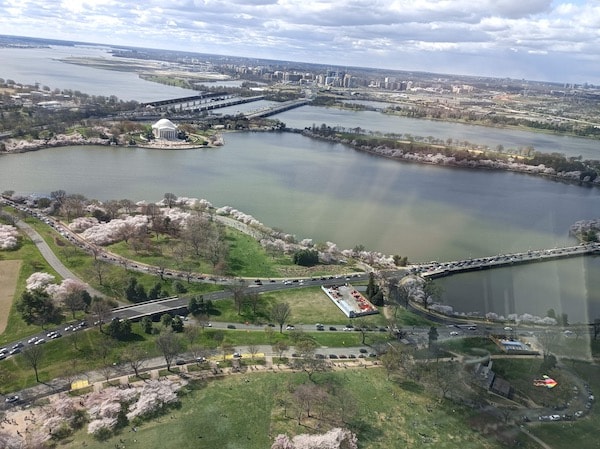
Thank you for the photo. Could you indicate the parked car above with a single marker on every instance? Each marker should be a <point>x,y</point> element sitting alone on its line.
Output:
<point>231,326</point>
<point>289,327</point>
<point>11,399</point>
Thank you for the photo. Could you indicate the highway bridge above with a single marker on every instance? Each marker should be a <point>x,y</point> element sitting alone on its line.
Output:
<point>201,98</point>
<point>434,270</point>
<point>276,109</point>
<point>200,103</point>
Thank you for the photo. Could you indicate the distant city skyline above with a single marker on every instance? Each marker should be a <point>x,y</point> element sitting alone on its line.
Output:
<point>546,40</point>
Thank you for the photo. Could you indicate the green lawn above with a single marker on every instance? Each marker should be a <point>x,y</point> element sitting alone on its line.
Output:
<point>309,305</point>
<point>242,412</point>
<point>580,433</point>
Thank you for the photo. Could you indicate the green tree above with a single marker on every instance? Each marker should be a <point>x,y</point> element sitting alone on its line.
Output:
<point>36,307</point>
<point>432,291</point>
<point>147,325</point>
<point>433,336</point>
<point>372,287</point>
<point>119,329</point>
<point>306,257</point>
<point>166,319</point>
<point>154,292</point>
<point>177,324</point>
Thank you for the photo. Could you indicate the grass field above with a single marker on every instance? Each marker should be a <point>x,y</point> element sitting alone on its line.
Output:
<point>242,412</point>
<point>9,275</point>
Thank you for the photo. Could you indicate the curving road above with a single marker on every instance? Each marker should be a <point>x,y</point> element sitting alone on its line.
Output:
<point>51,258</point>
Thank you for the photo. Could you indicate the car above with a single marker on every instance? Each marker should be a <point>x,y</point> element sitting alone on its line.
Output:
<point>55,335</point>
<point>40,341</point>
<point>11,399</point>
<point>231,326</point>
<point>289,327</point>
<point>32,340</point>
<point>237,355</point>
<point>343,356</point>
<point>14,351</point>
<point>362,350</point>
<point>332,328</point>
<point>179,362</point>
<point>2,355</point>
<point>508,328</point>
<point>351,356</point>
<point>320,327</point>
<point>271,325</point>
<point>200,359</point>
<point>372,354</point>
<point>453,333</point>
<point>333,356</point>
<point>348,329</point>
<point>69,328</point>
<point>18,345</point>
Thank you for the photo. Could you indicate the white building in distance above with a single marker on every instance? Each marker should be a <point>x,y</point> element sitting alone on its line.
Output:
<point>165,129</point>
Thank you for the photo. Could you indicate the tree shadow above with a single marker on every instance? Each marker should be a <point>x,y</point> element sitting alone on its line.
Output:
<point>410,386</point>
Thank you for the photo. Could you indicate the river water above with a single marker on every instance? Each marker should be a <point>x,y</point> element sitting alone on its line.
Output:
<point>329,192</point>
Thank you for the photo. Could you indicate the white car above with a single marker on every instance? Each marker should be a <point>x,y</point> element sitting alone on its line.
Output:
<point>289,327</point>
<point>508,328</point>
<point>453,333</point>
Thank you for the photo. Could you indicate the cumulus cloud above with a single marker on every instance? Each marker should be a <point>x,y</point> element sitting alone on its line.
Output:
<point>398,34</point>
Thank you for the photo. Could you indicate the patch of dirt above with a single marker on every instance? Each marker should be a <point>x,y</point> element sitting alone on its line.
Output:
<point>9,274</point>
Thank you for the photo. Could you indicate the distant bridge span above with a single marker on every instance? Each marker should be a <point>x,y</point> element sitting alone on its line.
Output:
<point>434,270</point>
<point>276,109</point>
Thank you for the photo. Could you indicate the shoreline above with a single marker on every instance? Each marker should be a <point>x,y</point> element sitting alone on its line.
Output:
<point>16,146</point>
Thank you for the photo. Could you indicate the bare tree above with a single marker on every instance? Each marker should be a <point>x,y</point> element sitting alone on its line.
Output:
<point>280,347</point>
<point>34,355</point>
<point>307,360</point>
<point>191,334</point>
<point>307,397</point>
<point>99,269</point>
<point>280,314</point>
<point>253,350</point>
<point>226,348</point>
<point>135,358</point>
<point>254,300</point>
<point>547,340</point>
<point>99,311</point>
<point>74,301</point>
<point>238,291</point>
<point>170,345</point>
<point>170,199</point>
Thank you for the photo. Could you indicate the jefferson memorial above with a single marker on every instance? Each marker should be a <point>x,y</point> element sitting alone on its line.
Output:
<point>165,129</point>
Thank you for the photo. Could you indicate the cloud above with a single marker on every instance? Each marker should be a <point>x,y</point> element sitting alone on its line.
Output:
<point>381,33</point>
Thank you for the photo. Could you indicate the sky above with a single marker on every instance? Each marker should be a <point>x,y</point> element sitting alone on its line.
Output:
<point>547,40</point>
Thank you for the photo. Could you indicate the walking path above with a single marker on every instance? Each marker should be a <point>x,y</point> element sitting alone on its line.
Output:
<point>51,258</point>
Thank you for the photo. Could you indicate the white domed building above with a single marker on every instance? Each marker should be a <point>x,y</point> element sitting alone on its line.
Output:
<point>165,129</point>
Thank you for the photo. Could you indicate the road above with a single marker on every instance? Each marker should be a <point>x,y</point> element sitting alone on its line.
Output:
<point>51,258</point>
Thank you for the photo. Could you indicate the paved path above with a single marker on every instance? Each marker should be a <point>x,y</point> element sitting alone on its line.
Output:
<point>51,258</point>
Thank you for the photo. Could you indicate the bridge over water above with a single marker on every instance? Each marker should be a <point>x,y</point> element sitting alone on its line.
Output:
<point>276,109</point>
<point>199,103</point>
<point>434,270</point>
